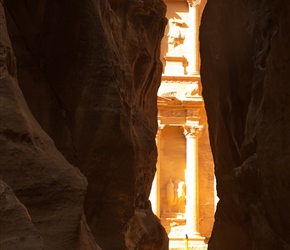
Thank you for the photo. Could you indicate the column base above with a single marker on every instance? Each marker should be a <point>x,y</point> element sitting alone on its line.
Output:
<point>196,243</point>
<point>177,240</point>
<point>193,73</point>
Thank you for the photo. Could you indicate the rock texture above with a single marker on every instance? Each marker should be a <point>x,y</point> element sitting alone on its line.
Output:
<point>17,229</point>
<point>245,73</point>
<point>89,72</point>
<point>51,189</point>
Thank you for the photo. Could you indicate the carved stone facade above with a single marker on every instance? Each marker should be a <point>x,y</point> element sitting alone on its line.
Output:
<point>183,194</point>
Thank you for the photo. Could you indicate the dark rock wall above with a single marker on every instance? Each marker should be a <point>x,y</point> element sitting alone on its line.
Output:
<point>89,72</point>
<point>245,69</point>
<point>17,229</point>
<point>42,194</point>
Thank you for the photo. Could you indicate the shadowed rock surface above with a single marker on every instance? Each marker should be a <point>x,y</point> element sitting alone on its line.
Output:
<point>17,229</point>
<point>89,72</point>
<point>245,73</point>
<point>50,190</point>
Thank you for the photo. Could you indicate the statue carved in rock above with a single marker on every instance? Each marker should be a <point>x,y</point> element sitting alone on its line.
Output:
<point>175,194</point>
<point>169,194</point>
<point>175,35</point>
<point>179,193</point>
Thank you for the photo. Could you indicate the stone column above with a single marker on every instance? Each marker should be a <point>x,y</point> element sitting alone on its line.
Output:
<point>192,37</point>
<point>155,189</point>
<point>216,198</point>
<point>191,178</point>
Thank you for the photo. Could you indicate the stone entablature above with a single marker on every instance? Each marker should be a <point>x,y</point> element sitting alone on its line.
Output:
<point>194,113</point>
<point>179,100</point>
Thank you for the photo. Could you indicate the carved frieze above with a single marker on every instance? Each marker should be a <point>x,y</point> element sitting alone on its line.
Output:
<point>173,113</point>
<point>176,82</point>
<point>193,113</point>
<point>179,112</point>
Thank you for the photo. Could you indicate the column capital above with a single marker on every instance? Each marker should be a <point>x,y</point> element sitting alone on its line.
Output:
<point>193,3</point>
<point>160,127</point>
<point>192,131</point>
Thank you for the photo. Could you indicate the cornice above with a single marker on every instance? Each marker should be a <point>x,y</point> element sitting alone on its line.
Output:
<point>174,1</point>
<point>181,105</point>
<point>184,78</point>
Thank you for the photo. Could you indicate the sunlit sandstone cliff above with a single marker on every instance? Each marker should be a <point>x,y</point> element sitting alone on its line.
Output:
<point>89,72</point>
<point>245,56</point>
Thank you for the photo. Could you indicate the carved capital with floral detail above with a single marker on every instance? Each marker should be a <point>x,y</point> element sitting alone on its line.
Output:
<point>160,127</point>
<point>192,131</point>
<point>193,3</point>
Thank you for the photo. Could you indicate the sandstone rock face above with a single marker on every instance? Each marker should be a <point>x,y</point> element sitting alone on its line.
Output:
<point>245,57</point>
<point>89,71</point>
<point>17,229</point>
<point>51,189</point>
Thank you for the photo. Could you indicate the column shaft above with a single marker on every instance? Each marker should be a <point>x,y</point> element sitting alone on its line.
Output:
<point>192,201</point>
<point>191,185</point>
<point>193,53</point>
<point>155,190</point>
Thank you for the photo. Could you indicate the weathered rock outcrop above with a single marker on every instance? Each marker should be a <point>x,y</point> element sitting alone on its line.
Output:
<point>17,229</point>
<point>245,73</point>
<point>50,190</point>
<point>89,72</point>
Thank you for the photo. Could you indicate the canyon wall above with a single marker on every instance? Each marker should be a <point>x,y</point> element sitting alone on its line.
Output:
<point>78,121</point>
<point>245,62</point>
<point>41,194</point>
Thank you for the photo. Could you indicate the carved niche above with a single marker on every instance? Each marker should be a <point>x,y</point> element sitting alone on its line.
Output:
<point>175,194</point>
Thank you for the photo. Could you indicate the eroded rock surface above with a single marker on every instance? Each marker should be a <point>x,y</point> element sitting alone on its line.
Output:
<point>245,73</point>
<point>16,230</point>
<point>89,71</point>
<point>51,189</point>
